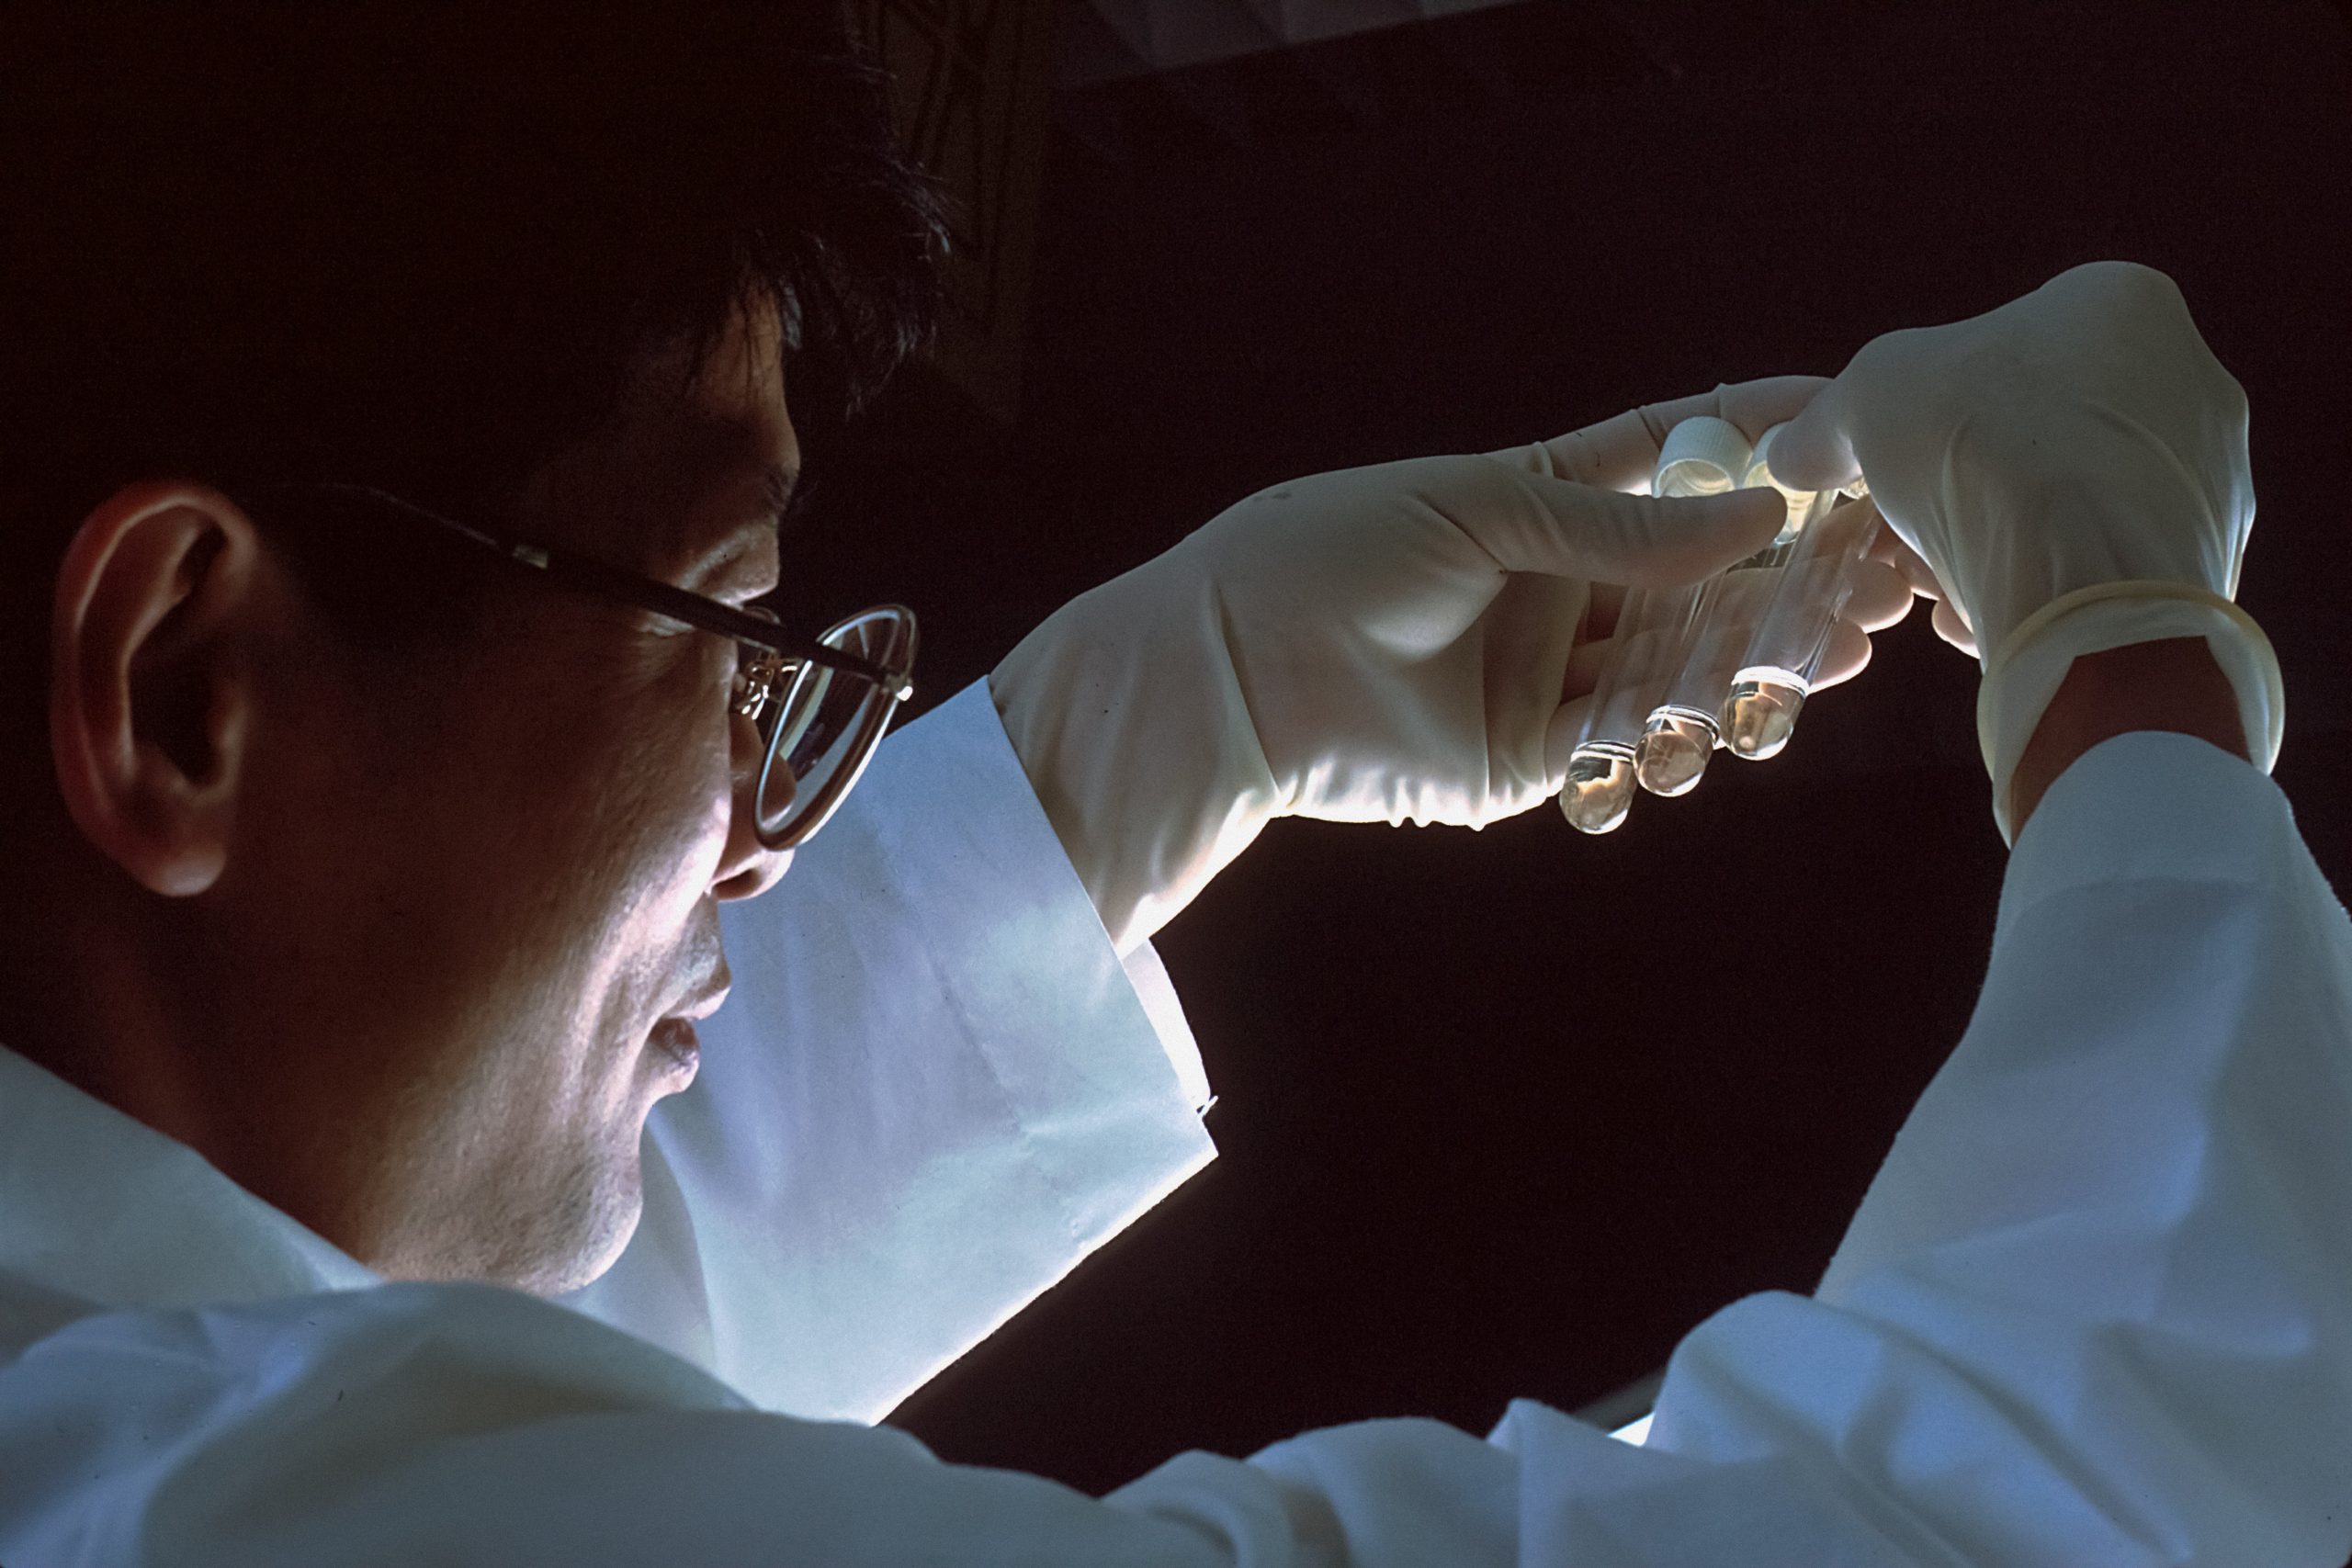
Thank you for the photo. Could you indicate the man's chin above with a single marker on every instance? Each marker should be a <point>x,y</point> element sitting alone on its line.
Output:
<point>596,1233</point>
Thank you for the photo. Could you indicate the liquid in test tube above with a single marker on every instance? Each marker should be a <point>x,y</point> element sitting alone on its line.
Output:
<point>1681,733</point>
<point>1701,456</point>
<point>1600,788</point>
<point>1599,792</point>
<point>1653,628</point>
<point>1816,558</point>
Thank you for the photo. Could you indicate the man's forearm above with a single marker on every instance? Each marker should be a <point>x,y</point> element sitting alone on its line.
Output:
<point>2173,685</point>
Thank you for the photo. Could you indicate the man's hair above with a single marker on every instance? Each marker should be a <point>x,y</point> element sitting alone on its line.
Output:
<point>422,252</point>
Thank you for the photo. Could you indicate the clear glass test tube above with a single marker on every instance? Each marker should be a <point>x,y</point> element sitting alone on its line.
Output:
<point>1682,730</point>
<point>1653,627</point>
<point>1702,456</point>
<point>1788,628</point>
<point>1600,788</point>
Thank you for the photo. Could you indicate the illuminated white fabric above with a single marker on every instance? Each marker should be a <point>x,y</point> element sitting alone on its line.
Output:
<point>2093,1311</point>
<point>934,1090</point>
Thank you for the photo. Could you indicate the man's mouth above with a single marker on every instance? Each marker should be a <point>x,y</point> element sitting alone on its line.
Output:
<point>675,1036</point>
<point>710,997</point>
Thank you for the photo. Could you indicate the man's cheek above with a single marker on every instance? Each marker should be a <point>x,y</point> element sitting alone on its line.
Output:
<point>685,854</point>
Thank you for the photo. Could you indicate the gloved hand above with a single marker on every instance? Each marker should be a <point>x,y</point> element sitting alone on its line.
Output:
<point>1384,644</point>
<point>2072,468</point>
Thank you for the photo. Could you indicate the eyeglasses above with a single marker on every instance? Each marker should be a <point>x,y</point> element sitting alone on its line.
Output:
<point>821,706</point>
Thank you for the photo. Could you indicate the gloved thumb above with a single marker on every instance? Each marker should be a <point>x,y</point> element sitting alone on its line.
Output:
<point>1642,541</point>
<point>1812,450</point>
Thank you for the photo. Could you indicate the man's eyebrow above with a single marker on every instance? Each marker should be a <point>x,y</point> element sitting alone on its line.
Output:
<point>775,507</point>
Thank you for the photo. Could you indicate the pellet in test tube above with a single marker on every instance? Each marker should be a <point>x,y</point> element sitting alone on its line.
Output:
<point>1815,560</point>
<point>1701,456</point>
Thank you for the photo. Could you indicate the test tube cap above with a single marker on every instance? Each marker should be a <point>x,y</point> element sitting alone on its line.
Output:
<point>1701,456</point>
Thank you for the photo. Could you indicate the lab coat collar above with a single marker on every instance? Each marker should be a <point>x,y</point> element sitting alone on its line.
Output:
<point>99,1209</point>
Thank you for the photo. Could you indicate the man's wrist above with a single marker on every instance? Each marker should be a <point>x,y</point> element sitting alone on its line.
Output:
<point>2171,684</point>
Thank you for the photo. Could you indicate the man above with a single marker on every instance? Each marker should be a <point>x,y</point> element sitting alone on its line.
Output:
<point>390,504</point>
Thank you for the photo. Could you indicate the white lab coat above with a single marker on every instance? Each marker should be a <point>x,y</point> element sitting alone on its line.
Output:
<point>934,1090</point>
<point>2094,1310</point>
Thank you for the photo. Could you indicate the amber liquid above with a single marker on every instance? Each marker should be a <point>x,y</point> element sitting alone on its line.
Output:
<point>1599,790</point>
<point>1760,715</point>
<point>1674,750</point>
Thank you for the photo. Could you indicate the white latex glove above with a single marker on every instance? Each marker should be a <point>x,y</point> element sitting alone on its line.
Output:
<point>2072,468</point>
<point>1385,644</point>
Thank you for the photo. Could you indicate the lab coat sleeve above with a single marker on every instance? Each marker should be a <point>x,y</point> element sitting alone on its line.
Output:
<point>935,1089</point>
<point>2095,1306</point>
<point>2093,1312</point>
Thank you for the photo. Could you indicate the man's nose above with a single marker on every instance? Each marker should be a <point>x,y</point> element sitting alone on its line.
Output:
<point>748,876</point>
<point>747,869</point>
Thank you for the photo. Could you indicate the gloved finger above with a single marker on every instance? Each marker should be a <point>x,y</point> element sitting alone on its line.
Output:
<point>1587,662</point>
<point>1639,541</point>
<point>1845,655</point>
<point>1620,452</point>
<point>1880,597</point>
<point>1530,630</point>
<point>1952,629</point>
<point>1887,545</point>
<point>1560,739</point>
<point>1756,406</point>
<point>1815,452</point>
<point>1606,602</point>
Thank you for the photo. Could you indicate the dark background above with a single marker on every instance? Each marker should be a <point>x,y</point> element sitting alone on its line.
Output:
<point>1507,1114</point>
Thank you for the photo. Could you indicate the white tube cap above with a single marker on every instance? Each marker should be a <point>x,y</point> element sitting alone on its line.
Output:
<point>1702,456</point>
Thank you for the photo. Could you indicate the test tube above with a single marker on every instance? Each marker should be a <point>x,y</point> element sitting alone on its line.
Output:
<point>1600,788</point>
<point>1653,627</point>
<point>1701,456</point>
<point>1815,559</point>
<point>1682,730</point>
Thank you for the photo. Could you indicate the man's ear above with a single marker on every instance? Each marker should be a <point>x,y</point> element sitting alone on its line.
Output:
<point>150,700</point>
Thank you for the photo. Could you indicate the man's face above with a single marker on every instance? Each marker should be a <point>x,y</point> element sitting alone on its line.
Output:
<point>523,862</point>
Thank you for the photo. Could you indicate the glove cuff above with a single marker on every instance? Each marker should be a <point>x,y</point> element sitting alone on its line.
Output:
<point>2024,672</point>
<point>1129,718</point>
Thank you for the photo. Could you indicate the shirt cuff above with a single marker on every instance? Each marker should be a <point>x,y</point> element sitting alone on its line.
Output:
<point>1156,993</point>
<point>2148,804</point>
<point>935,1090</point>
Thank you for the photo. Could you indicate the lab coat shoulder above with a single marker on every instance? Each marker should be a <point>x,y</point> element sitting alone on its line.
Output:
<point>936,1090</point>
<point>465,1423</point>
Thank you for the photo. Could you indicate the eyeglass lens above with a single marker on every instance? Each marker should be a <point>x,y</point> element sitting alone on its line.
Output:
<point>824,721</point>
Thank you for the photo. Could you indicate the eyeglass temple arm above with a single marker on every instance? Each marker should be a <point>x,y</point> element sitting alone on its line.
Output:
<point>639,592</point>
<point>699,612</point>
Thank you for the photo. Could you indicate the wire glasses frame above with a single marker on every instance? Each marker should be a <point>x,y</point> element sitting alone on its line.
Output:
<point>820,705</point>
